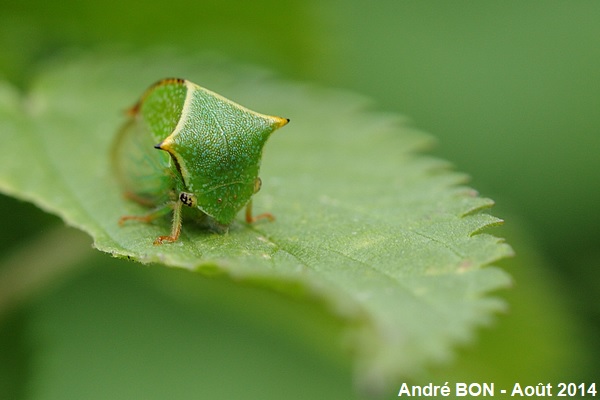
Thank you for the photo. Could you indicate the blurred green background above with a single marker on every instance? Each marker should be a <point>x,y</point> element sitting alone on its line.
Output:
<point>511,90</point>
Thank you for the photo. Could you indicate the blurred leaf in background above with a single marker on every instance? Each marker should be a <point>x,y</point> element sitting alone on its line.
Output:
<point>509,88</point>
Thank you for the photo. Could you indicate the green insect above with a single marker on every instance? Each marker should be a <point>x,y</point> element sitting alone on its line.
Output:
<point>184,145</point>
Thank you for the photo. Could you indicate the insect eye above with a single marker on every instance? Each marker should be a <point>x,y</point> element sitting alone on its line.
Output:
<point>188,199</point>
<point>257,184</point>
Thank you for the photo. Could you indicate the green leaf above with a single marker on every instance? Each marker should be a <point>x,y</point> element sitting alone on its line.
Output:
<point>389,239</point>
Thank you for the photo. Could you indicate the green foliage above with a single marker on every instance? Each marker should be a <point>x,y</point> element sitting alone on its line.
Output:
<point>164,333</point>
<point>388,239</point>
<point>510,91</point>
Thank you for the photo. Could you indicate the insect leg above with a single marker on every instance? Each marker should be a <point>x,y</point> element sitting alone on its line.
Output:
<point>250,218</point>
<point>163,210</point>
<point>151,216</point>
<point>175,228</point>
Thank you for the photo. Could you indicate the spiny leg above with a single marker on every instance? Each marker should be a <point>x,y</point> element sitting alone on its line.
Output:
<point>175,228</point>
<point>163,210</point>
